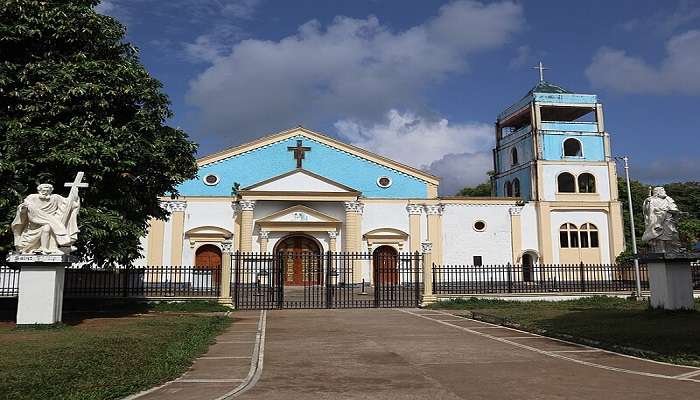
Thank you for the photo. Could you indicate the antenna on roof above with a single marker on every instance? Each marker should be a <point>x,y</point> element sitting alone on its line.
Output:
<point>541,68</point>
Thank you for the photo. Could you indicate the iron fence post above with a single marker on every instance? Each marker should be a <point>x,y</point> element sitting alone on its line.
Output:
<point>329,288</point>
<point>416,271</point>
<point>510,278</point>
<point>582,273</point>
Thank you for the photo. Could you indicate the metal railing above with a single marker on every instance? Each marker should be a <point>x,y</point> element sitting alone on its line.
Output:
<point>538,278</point>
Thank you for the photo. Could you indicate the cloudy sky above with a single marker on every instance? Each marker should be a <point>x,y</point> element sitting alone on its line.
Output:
<point>422,81</point>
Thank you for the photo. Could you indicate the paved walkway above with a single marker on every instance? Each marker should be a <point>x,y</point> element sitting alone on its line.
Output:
<point>412,354</point>
<point>230,365</point>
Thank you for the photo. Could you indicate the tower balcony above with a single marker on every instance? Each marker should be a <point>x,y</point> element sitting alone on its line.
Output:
<point>569,126</point>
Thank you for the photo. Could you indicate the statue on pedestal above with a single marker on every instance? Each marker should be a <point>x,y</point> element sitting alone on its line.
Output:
<point>660,219</point>
<point>46,223</point>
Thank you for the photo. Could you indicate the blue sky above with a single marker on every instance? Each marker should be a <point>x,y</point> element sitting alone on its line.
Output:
<point>422,81</point>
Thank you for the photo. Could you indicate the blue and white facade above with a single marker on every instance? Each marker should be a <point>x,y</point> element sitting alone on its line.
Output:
<point>552,170</point>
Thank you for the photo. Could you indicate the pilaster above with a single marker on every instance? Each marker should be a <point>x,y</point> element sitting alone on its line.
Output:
<point>177,219</point>
<point>351,234</point>
<point>428,295</point>
<point>515,233</point>
<point>262,236</point>
<point>544,232</point>
<point>332,237</point>
<point>434,216</point>
<point>225,283</point>
<point>414,213</point>
<point>154,251</point>
<point>247,210</point>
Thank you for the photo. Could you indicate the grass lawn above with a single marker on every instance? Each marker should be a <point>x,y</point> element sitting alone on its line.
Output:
<point>101,358</point>
<point>623,325</point>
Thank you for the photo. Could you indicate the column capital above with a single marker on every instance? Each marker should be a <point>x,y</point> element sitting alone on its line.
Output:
<point>414,209</point>
<point>426,247</point>
<point>247,205</point>
<point>332,234</point>
<point>354,207</point>
<point>263,234</point>
<point>173,205</point>
<point>226,245</point>
<point>434,209</point>
<point>515,210</point>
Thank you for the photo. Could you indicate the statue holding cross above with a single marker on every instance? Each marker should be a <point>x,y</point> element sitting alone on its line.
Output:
<point>47,223</point>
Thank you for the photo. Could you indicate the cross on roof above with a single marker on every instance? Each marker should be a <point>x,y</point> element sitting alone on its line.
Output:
<point>299,151</point>
<point>541,68</point>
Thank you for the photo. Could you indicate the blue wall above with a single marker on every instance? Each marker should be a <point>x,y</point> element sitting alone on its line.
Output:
<point>523,176</point>
<point>274,159</point>
<point>592,146</point>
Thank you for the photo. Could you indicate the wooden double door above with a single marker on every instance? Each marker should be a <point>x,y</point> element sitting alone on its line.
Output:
<point>302,261</point>
<point>208,258</point>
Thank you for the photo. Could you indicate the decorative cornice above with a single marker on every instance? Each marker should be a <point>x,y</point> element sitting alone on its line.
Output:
<point>515,210</point>
<point>226,246</point>
<point>434,209</point>
<point>332,234</point>
<point>263,234</point>
<point>354,206</point>
<point>414,209</point>
<point>426,247</point>
<point>247,205</point>
<point>174,205</point>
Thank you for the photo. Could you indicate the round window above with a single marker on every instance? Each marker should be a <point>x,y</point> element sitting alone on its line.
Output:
<point>479,226</point>
<point>211,180</point>
<point>384,182</point>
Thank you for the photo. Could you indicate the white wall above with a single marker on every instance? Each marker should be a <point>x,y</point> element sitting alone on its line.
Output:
<point>597,218</point>
<point>209,213</point>
<point>461,242</point>
<point>385,215</point>
<point>550,173</point>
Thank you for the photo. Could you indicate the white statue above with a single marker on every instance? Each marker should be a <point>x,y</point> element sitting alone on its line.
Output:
<point>660,215</point>
<point>47,223</point>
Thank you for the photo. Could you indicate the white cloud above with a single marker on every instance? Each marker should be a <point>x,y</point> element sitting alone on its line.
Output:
<point>522,57</point>
<point>667,170</point>
<point>352,68</point>
<point>459,153</point>
<point>677,72</point>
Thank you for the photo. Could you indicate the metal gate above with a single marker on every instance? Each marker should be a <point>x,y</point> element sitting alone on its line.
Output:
<point>327,280</point>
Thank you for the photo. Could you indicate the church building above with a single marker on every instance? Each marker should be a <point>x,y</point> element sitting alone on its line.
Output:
<point>554,197</point>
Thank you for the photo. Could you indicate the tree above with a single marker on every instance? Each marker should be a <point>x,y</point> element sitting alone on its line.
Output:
<point>480,190</point>
<point>75,97</point>
<point>687,197</point>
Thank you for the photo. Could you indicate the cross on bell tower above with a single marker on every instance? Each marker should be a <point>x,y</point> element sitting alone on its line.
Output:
<point>541,68</point>
<point>299,151</point>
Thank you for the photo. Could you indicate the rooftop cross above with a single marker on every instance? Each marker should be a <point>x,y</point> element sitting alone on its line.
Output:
<point>299,151</point>
<point>541,68</point>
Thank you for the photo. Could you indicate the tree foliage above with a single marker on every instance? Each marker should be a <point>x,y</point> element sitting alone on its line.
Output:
<point>687,197</point>
<point>75,97</point>
<point>480,190</point>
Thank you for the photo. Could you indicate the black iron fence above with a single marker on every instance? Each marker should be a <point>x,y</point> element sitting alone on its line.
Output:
<point>329,280</point>
<point>151,281</point>
<point>538,278</point>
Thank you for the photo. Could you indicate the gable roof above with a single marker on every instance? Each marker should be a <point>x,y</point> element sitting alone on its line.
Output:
<point>339,187</point>
<point>302,209</point>
<point>327,140</point>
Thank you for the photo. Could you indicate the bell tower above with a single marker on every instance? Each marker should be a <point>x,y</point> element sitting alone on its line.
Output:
<point>552,149</point>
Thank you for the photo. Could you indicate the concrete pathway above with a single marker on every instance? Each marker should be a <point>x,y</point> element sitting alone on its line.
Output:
<point>424,354</point>
<point>411,354</point>
<point>228,368</point>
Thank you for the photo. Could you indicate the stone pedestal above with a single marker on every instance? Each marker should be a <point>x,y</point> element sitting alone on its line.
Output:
<point>40,287</point>
<point>671,282</point>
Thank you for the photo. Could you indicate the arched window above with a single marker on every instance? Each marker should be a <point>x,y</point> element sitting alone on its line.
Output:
<point>516,187</point>
<point>572,148</point>
<point>508,189</point>
<point>566,183</point>
<point>589,235</point>
<point>568,236</point>
<point>514,156</point>
<point>586,183</point>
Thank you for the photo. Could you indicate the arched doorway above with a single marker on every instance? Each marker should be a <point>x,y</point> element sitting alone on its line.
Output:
<point>302,260</point>
<point>208,258</point>
<point>527,267</point>
<point>385,261</point>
